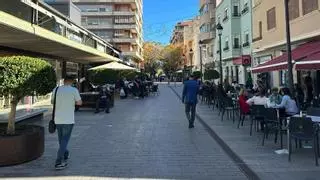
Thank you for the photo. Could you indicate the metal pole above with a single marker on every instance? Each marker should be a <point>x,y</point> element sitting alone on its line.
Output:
<point>220,54</point>
<point>201,61</point>
<point>290,74</point>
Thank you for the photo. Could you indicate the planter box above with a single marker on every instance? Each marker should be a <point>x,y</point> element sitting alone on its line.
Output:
<point>26,146</point>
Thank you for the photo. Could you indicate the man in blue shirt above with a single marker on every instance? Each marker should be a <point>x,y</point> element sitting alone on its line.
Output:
<point>190,99</point>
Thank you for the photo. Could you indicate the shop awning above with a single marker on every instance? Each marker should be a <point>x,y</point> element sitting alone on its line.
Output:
<point>280,62</point>
<point>311,62</point>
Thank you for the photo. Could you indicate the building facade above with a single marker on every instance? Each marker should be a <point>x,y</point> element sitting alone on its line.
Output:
<point>207,33</point>
<point>118,22</point>
<point>269,37</point>
<point>235,18</point>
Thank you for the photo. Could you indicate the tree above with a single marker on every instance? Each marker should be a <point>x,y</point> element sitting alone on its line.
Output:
<point>172,59</point>
<point>24,76</point>
<point>151,56</point>
<point>210,74</point>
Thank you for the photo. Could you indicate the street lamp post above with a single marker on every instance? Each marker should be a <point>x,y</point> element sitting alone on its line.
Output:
<point>290,74</point>
<point>220,28</point>
<point>200,45</point>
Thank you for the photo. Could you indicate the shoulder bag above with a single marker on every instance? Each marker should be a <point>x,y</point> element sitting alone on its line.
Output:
<point>52,124</point>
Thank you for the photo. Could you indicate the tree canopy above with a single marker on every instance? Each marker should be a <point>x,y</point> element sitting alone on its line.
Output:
<point>172,58</point>
<point>151,56</point>
<point>23,76</point>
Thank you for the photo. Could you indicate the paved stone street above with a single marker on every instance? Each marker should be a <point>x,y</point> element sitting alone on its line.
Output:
<point>140,139</point>
<point>261,159</point>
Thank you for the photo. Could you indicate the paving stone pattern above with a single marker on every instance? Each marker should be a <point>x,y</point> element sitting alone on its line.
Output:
<point>261,159</point>
<point>140,139</point>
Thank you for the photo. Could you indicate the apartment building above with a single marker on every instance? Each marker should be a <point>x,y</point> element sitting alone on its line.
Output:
<point>269,40</point>
<point>182,36</point>
<point>235,18</point>
<point>207,30</point>
<point>118,22</point>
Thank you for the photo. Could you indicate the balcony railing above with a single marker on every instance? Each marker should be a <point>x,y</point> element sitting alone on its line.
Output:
<point>236,46</point>
<point>245,9</point>
<point>245,44</point>
<point>236,14</point>
<point>46,17</point>
<point>225,18</point>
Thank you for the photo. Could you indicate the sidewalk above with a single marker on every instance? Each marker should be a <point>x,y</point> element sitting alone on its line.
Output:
<point>261,159</point>
<point>140,139</point>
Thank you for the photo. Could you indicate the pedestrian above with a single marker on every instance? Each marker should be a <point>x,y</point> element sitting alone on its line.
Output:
<point>190,99</point>
<point>66,99</point>
<point>103,99</point>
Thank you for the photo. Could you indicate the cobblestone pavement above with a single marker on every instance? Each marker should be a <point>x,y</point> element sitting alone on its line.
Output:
<point>261,159</point>
<point>140,139</point>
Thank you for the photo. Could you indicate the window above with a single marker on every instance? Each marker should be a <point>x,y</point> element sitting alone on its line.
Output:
<point>205,28</point>
<point>235,11</point>
<point>293,9</point>
<point>260,33</point>
<point>226,45</point>
<point>204,9</point>
<point>309,6</point>
<point>246,39</point>
<point>225,15</point>
<point>236,42</point>
<point>219,19</point>
<point>124,20</point>
<point>102,9</point>
<point>93,21</point>
<point>83,21</point>
<point>271,18</point>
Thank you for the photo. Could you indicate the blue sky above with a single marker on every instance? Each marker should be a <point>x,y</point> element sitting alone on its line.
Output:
<point>160,16</point>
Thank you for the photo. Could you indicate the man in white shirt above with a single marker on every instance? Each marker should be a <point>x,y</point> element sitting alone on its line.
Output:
<point>67,98</point>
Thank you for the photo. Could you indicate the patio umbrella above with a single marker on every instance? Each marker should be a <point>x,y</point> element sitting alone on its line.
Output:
<point>114,66</point>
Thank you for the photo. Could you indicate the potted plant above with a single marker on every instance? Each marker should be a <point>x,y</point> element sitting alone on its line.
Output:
<point>23,76</point>
<point>197,74</point>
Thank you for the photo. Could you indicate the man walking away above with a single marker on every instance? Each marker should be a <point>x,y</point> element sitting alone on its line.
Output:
<point>190,98</point>
<point>67,98</point>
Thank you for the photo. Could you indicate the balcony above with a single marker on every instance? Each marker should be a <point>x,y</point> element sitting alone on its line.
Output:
<point>134,54</point>
<point>236,46</point>
<point>207,36</point>
<point>124,40</point>
<point>236,14</point>
<point>245,9</point>
<point>225,18</point>
<point>245,44</point>
<point>110,13</point>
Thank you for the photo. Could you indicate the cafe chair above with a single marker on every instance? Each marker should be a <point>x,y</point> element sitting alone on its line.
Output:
<point>256,115</point>
<point>271,123</point>
<point>303,129</point>
<point>229,107</point>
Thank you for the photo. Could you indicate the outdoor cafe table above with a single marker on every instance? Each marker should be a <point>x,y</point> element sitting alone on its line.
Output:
<point>315,119</point>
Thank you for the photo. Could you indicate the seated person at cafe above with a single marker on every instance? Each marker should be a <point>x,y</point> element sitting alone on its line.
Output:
<point>244,107</point>
<point>103,99</point>
<point>288,103</point>
<point>259,99</point>
<point>275,98</point>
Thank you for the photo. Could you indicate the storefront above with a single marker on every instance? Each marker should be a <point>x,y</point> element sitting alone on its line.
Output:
<point>306,62</point>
